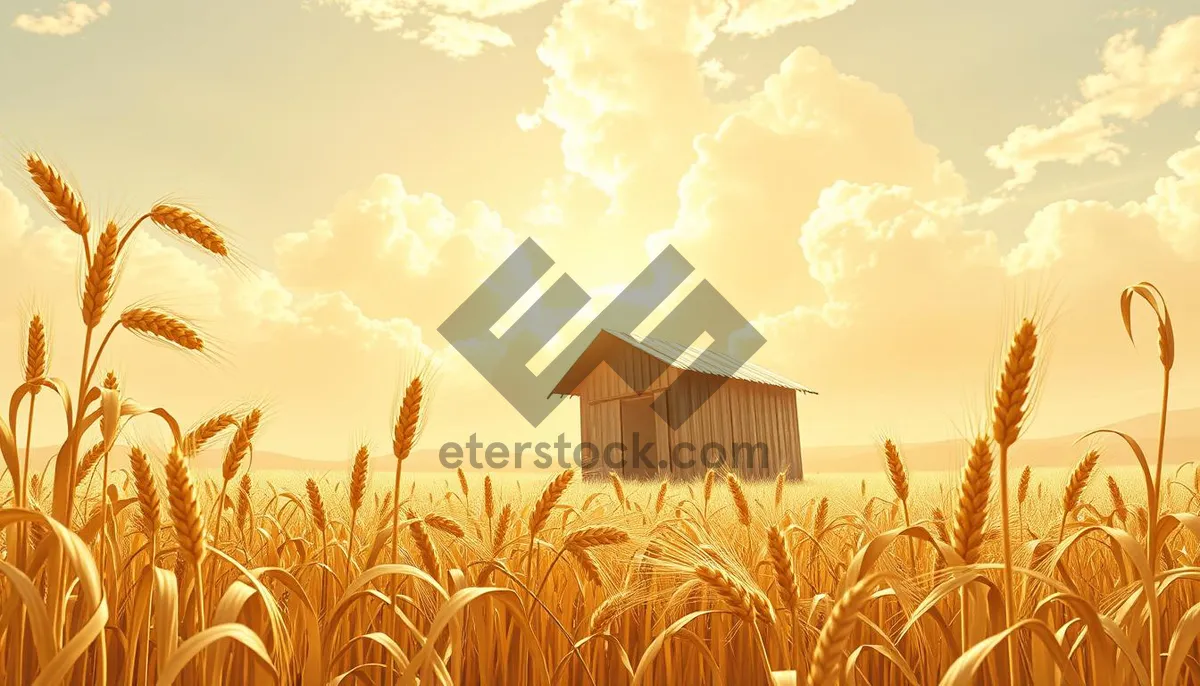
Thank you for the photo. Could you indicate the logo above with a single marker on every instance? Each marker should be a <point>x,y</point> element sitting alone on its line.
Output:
<point>503,360</point>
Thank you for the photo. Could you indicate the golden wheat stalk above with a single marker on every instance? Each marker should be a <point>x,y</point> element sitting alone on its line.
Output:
<point>740,504</point>
<point>971,516</point>
<point>161,325</point>
<point>1075,485</point>
<point>241,444</point>
<point>550,496</point>
<point>1012,394</point>
<point>191,225</point>
<point>36,356</point>
<point>357,491</point>
<point>197,438</point>
<point>1023,485</point>
<point>489,497</point>
<point>607,611</point>
<point>36,353</point>
<point>821,519</point>
<point>1118,499</point>
<point>147,491</point>
<point>464,486</point>
<point>661,500</point>
<point>829,654</point>
<point>404,437</point>
<point>587,564</point>
<point>594,536</point>
<point>424,545</point>
<point>1008,413</point>
<point>939,524</point>
<point>184,509</point>
<point>1166,355</point>
<point>239,447</point>
<point>618,488</point>
<point>101,273</point>
<point>897,473</point>
<point>243,502</point>
<point>358,479</point>
<point>89,460</point>
<point>408,420</point>
<point>59,194</point>
<point>710,479</point>
<point>735,594</point>
<point>781,566</point>
<point>316,505</point>
<point>502,528</point>
<point>444,524</point>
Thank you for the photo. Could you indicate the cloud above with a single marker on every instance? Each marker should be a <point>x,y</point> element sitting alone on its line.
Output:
<point>764,17</point>
<point>1133,83</point>
<point>396,253</point>
<point>463,38</point>
<point>71,18</point>
<point>716,72</point>
<point>763,169</point>
<point>1131,13</point>
<point>528,121</point>
<point>447,26</point>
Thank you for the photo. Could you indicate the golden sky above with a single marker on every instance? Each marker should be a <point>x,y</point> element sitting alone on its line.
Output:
<point>882,186</point>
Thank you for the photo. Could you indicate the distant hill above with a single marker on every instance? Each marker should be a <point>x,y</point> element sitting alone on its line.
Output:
<point>1183,445</point>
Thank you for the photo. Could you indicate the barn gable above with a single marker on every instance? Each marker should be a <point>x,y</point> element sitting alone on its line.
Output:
<point>740,416</point>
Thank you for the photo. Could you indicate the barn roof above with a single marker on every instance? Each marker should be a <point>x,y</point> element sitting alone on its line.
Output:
<point>675,355</point>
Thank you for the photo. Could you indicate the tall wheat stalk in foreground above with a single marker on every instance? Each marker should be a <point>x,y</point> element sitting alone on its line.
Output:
<point>105,578</point>
<point>1166,356</point>
<point>1008,412</point>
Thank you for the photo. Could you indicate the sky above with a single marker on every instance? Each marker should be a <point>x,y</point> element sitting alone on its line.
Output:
<point>884,188</point>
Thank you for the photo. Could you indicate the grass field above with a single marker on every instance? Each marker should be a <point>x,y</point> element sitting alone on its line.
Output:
<point>166,574</point>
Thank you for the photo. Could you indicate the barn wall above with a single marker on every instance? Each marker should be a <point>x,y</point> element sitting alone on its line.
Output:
<point>600,395</point>
<point>739,412</point>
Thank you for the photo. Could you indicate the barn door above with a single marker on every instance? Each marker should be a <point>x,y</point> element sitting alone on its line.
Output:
<point>639,427</point>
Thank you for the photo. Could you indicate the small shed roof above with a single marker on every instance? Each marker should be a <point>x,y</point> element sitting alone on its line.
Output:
<point>674,354</point>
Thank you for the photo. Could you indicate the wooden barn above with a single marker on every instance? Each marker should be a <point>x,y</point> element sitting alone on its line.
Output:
<point>749,424</point>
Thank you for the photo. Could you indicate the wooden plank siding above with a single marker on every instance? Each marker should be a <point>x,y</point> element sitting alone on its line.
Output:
<point>600,395</point>
<point>738,413</point>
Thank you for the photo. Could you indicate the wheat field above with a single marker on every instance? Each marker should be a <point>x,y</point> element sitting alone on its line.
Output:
<point>163,573</point>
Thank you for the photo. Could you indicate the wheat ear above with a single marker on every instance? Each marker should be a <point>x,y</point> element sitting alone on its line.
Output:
<point>101,273</point>
<point>829,653</point>
<point>781,566</point>
<point>59,194</point>
<point>161,325</point>
<point>594,536</point>
<point>191,225</point>
<point>147,491</point>
<point>740,504</point>
<point>1075,485</point>
<point>971,515</point>
<point>1118,500</point>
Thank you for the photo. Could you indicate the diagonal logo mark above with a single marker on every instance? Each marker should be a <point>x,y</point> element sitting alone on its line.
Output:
<point>503,360</point>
